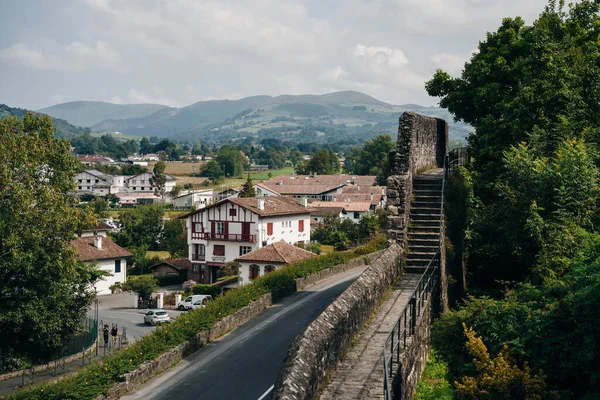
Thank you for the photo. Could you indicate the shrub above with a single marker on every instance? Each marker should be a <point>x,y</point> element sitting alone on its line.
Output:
<point>212,290</point>
<point>170,280</point>
<point>188,285</point>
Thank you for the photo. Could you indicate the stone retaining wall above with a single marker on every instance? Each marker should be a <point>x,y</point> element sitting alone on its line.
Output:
<point>302,283</point>
<point>147,370</point>
<point>313,353</point>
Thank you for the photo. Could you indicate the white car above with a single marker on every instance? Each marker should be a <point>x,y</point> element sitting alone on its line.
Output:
<point>190,300</point>
<point>201,303</point>
<point>154,317</point>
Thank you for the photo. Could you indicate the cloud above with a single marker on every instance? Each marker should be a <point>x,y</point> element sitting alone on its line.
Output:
<point>451,62</point>
<point>216,30</point>
<point>136,96</point>
<point>76,56</point>
<point>58,98</point>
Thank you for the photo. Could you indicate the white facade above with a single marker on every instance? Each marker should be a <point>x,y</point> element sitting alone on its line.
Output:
<point>141,183</point>
<point>263,268</point>
<point>194,199</point>
<point>110,265</point>
<point>96,183</point>
<point>225,231</point>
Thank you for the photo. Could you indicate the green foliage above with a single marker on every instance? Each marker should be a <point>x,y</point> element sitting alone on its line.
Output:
<point>44,288</point>
<point>230,159</point>
<point>341,233</point>
<point>248,188</point>
<point>371,159</point>
<point>231,268</point>
<point>214,291</point>
<point>174,238</point>
<point>169,280</point>
<point>141,225</point>
<point>434,384</point>
<point>98,378</point>
<point>143,285</point>
<point>159,179</point>
<point>212,170</point>
<point>325,162</point>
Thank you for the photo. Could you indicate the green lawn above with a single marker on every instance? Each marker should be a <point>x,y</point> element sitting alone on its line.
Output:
<point>163,255</point>
<point>433,384</point>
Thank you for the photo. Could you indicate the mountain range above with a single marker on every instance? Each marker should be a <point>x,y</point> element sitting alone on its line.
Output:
<point>321,118</point>
<point>63,128</point>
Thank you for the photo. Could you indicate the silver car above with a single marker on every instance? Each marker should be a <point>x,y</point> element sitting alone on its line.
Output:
<point>154,317</point>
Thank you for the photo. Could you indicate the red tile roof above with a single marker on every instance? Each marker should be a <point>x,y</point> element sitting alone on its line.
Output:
<point>273,205</point>
<point>277,253</point>
<point>303,189</point>
<point>324,211</point>
<point>366,180</point>
<point>351,206</point>
<point>88,252</point>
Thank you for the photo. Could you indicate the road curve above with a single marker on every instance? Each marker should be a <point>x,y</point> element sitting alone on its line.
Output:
<point>244,364</point>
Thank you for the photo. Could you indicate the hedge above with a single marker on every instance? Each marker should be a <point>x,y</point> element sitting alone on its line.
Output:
<point>96,379</point>
<point>214,291</point>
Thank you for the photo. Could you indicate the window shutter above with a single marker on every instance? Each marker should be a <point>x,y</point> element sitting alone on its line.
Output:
<point>269,228</point>
<point>301,225</point>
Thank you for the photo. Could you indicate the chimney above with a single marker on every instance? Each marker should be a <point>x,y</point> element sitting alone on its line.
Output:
<point>371,196</point>
<point>98,242</point>
<point>261,203</point>
<point>305,202</point>
<point>358,188</point>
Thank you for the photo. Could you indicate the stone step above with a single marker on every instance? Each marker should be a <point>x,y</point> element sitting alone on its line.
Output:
<point>431,225</point>
<point>437,204</point>
<point>427,186</point>
<point>414,269</point>
<point>421,178</point>
<point>424,254</point>
<point>423,262</point>
<point>423,249</point>
<point>424,211</point>
<point>426,192</point>
<point>424,217</point>
<point>420,242</point>
<point>423,234</point>
<point>437,198</point>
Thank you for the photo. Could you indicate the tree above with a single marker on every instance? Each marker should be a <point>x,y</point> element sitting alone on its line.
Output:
<point>141,225</point>
<point>248,188</point>
<point>371,159</point>
<point>145,146</point>
<point>230,159</point>
<point>174,238</point>
<point>45,289</point>
<point>325,162</point>
<point>143,285</point>
<point>159,179</point>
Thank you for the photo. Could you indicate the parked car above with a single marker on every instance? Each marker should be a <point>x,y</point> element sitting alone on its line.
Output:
<point>154,317</point>
<point>201,303</point>
<point>190,300</point>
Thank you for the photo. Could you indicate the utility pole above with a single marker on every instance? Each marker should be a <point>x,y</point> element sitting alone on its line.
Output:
<point>97,326</point>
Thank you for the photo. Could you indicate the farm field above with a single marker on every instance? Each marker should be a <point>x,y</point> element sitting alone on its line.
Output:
<point>181,168</point>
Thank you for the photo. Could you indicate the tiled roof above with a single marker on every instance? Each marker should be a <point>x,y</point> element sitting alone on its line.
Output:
<point>352,206</point>
<point>314,222</point>
<point>306,188</point>
<point>92,158</point>
<point>277,253</point>
<point>100,226</point>
<point>323,211</point>
<point>273,205</point>
<point>357,198</point>
<point>364,189</point>
<point>269,188</point>
<point>88,252</point>
<point>177,263</point>
<point>362,180</point>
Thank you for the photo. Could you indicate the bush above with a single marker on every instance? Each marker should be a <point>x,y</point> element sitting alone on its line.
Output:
<point>188,285</point>
<point>214,291</point>
<point>171,279</point>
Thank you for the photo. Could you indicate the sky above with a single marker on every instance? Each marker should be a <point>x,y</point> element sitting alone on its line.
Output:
<point>178,52</point>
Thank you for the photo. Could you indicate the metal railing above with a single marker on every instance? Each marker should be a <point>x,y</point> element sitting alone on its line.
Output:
<point>405,327</point>
<point>227,237</point>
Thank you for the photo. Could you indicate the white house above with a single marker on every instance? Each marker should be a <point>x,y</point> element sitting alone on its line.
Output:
<point>351,210</point>
<point>196,199</point>
<point>97,183</point>
<point>268,259</point>
<point>141,183</point>
<point>94,246</point>
<point>265,191</point>
<point>226,230</point>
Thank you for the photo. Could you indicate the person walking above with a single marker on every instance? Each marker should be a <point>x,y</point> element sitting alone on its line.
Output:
<point>105,334</point>
<point>114,332</point>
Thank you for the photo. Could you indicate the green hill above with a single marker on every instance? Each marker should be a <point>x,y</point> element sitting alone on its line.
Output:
<point>308,118</point>
<point>63,128</point>
<point>89,113</point>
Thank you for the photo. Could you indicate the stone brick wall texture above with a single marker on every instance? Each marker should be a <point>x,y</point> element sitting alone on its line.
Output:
<point>317,350</point>
<point>421,145</point>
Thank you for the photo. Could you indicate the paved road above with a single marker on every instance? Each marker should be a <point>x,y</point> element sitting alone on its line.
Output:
<point>244,364</point>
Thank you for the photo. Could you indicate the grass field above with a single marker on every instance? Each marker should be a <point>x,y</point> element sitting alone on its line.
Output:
<point>181,168</point>
<point>163,255</point>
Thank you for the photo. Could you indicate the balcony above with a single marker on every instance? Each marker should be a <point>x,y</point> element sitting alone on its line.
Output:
<point>198,257</point>
<point>229,237</point>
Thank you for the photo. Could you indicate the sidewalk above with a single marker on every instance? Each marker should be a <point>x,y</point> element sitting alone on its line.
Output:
<point>360,374</point>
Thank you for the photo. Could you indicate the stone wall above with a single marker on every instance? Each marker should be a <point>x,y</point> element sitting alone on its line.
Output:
<point>313,353</point>
<point>422,144</point>
<point>147,370</point>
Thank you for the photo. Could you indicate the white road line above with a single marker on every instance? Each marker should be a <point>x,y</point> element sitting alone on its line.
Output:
<point>266,393</point>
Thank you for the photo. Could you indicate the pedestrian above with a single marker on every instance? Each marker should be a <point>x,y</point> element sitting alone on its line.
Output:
<point>105,333</point>
<point>114,332</point>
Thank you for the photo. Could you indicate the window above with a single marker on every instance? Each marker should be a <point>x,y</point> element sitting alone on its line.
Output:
<point>97,181</point>
<point>88,181</point>
<point>254,272</point>
<point>134,188</point>
<point>232,212</point>
<point>301,225</point>
<point>142,181</point>
<point>220,226</point>
<point>79,180</point>
<point>269,228</point>
<point>269,268</point>
<point>197,227</point>
<point>79,187</point>
<point>245,250</point>
<point>218,250</point>
<point>117,266</point>
<point>356,215</point>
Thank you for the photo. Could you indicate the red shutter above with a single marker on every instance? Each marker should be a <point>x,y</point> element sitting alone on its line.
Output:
<point>301,225</point>
<point>213,231</point>
<point>269,228</point>
<point>226,230</point>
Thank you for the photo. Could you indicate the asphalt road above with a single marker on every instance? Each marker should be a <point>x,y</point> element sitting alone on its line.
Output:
<point>245,363</point>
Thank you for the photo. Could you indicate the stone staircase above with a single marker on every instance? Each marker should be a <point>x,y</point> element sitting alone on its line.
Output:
<point>424,223</point>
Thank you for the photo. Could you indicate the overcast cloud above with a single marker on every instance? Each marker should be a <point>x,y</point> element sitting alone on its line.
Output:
<point>177,52</point>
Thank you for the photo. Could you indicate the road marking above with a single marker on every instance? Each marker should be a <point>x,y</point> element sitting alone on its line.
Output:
<point>266,393</point>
